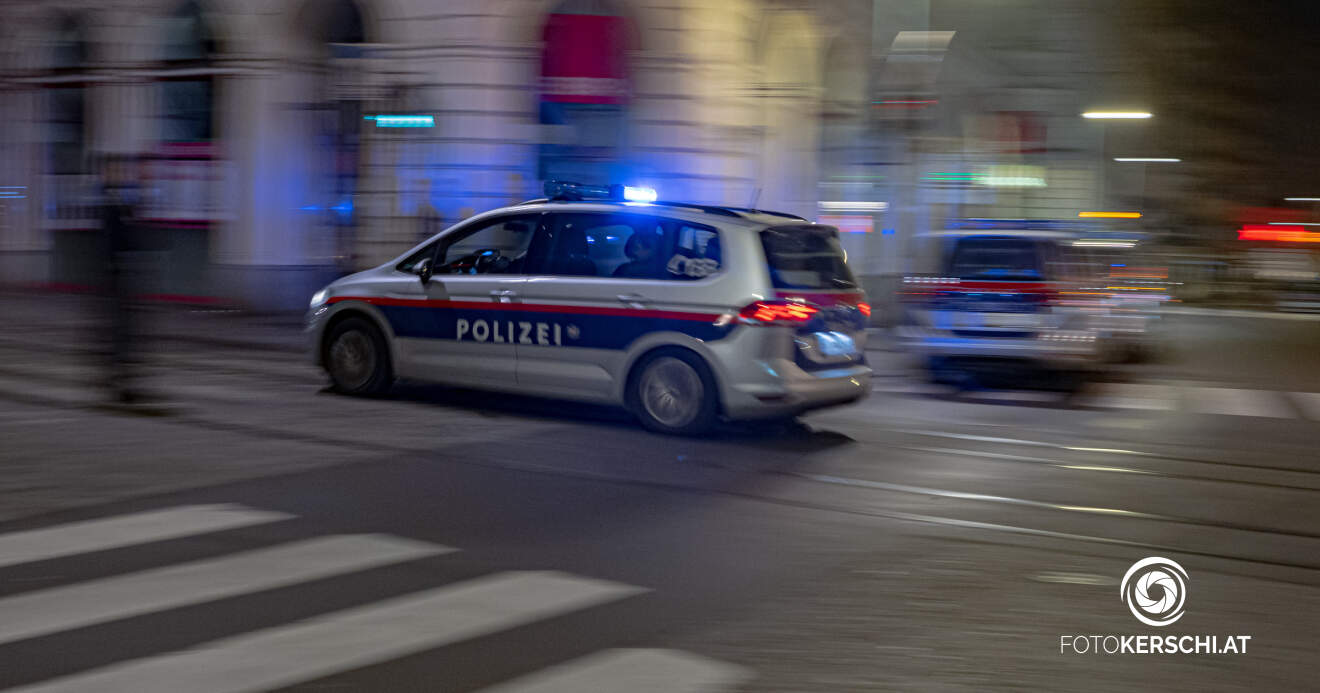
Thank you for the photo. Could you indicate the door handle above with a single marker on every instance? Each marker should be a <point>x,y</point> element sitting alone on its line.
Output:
<point>634,300</point>
<point>504,295</point>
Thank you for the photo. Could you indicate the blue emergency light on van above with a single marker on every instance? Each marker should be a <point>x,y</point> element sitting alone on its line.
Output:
<point>568,191</point>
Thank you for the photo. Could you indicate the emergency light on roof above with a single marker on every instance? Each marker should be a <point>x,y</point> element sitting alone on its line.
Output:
<point>565,190</point>
<point>632,194</point>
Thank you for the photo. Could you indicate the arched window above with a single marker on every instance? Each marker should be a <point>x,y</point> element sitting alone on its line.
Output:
<point>188,99</point>
<point>584,93</point>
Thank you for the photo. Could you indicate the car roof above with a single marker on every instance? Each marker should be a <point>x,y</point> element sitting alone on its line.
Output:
<point>728,218</point>
<point>694,212</point>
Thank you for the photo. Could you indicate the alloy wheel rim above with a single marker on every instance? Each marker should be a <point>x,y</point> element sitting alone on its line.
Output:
<point>671,392</point>
<point>353,359</point>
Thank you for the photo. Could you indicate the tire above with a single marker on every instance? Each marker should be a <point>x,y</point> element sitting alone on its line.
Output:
<point>357,359</point>
<point>673,391</point>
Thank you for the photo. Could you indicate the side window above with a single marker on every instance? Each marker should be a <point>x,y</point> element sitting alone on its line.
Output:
<point>410,263</point>
<point>625,246</point>
<point>697,253</point>
<point>497,247</point>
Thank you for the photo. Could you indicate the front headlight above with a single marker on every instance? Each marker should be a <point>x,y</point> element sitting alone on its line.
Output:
<point>319,297</point>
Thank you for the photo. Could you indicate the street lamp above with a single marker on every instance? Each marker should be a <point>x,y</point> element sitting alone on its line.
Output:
<point>1116,115</point>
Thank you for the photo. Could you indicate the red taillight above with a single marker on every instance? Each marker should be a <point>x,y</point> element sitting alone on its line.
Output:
<point>768,312</point>
<point>865,308</point>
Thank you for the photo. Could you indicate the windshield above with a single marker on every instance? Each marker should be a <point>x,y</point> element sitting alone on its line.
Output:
<point>806,257</point>
<point>996,258</point>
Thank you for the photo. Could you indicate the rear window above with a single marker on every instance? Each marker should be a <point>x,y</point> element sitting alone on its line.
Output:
<point>996,258</point>
<point>806,257</point>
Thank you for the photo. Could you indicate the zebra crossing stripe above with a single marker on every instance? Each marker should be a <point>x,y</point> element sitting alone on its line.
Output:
<point>1235,402</point>
<point>350,639</point>
<point>631,671</point>
<point>1142,396</point>
<point>1309,403</point>
<point>1134,396</point>
<point>127,530</point>
<point>99,601</point>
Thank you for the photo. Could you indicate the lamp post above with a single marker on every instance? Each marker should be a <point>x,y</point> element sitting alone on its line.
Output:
<point>1107,116</point>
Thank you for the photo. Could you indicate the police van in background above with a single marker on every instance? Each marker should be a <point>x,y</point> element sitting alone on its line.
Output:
<point>1004,303</point>
<point>682,313</point>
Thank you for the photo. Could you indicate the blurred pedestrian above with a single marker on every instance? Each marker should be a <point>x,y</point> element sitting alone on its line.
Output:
<point>123,247</point>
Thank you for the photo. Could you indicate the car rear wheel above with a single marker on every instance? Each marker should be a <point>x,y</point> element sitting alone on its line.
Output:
<point>357,358</point>
<point>673,391</point>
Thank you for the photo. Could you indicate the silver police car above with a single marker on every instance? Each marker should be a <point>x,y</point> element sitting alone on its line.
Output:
<point>1004,309</point>
<point>681,313</point>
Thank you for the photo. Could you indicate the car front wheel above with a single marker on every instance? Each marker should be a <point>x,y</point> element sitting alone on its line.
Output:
<point>357,358</point>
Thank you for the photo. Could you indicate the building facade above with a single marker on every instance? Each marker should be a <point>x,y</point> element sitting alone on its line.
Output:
<point>266,170</point>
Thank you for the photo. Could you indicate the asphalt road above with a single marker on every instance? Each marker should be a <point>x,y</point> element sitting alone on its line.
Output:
<point>266,535</point>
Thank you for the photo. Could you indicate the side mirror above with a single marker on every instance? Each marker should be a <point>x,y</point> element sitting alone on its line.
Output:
<point>423,270</point>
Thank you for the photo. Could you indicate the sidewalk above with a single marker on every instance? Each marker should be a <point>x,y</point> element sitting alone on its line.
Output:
<point>77,319</point>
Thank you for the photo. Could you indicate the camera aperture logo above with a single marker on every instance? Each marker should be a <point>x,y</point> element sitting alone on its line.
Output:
<point>1155,590</point>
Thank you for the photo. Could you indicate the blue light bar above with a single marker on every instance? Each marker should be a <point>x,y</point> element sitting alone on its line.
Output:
<point>565,190</point>
<point>402,121</point>
<point>632,194</point>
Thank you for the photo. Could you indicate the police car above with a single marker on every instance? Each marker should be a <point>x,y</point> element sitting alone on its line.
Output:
<point>682,313</point>
<point>1005,305</point>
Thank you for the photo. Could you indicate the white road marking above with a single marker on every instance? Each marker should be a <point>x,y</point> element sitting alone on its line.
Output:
<point>350,639</point>
<point>898,386</point>
<point>631,671</point>
<point>1232,313</point>
<point>1009,396</point>
<point>1136,396</point>
<point>127,530</point>
<point>99,601</point>
<point>1133,396</point>
<point>1235,402</point>
<point>1308,402</point>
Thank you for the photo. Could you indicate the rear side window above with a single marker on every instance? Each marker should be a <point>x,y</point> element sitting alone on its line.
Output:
<point>625,246</point>
<point>806,257</point>
<point>997,258</point>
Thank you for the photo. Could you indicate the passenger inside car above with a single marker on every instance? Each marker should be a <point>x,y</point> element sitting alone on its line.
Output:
<point>640,249</point>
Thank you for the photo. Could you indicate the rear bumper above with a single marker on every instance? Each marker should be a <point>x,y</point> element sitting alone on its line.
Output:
<point>1062,350</point>
<point>786,390</point>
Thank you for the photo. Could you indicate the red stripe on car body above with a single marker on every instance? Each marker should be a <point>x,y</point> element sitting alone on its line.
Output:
<point>531,308</point>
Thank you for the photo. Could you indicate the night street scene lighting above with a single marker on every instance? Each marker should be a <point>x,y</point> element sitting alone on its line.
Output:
<point>703,346</point>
